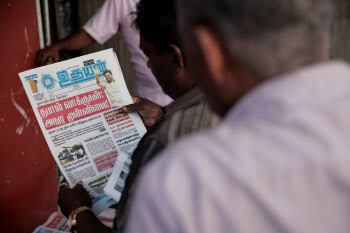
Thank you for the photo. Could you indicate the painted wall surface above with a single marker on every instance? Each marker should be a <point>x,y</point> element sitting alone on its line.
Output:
<point>28,187</point>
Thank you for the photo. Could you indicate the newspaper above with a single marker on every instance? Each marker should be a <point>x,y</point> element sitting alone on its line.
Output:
<point>116,181</point>
<point>77,104</point>
<point>57,222</point>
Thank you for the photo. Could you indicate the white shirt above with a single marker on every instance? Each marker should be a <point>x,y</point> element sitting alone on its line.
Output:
<point>279,162</point>
<point>113,93</point>
<point>105,23</point>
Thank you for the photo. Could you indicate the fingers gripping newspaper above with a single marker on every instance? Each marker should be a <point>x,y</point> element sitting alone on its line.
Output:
<point>77,104</point>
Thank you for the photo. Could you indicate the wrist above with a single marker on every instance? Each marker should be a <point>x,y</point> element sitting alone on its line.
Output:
<point>88,222</point>
<point>72,219</point>
<point>83,220</point>
<point>58,46</point>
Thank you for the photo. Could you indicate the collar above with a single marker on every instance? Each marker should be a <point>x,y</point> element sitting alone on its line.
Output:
<point>189,98</point>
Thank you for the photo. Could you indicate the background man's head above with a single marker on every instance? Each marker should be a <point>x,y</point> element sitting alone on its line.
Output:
<point>236,44</point>
<point>108,75</point>
<point>159,40</point>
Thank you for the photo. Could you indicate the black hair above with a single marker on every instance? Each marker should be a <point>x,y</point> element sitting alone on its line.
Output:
<point>156,21</point>
<point>106,71</point>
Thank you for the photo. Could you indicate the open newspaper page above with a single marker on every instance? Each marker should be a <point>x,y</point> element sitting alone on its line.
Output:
<point>76,103</point>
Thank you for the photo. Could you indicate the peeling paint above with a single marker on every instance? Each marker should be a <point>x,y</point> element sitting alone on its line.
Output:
<point>28,122</point>
<point>18,107</point>
<point>18,92</point>
<point>20,129</point>
<point>6,95</point>
<point>26,60</point>
<point>27,119</point>
<point>36,130</point>
<point>29,49</point>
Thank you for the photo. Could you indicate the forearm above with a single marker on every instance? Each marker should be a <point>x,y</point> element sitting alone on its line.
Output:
<point>87,222</point>
<point>76,41</point>
<point>98,79</point>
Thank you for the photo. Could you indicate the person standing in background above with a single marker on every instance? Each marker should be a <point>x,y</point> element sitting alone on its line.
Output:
<point>113,15</point>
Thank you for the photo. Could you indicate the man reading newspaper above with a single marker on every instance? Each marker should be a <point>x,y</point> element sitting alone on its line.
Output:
<point>108,20</point>
<point>279,161</point>
<point>187,114</point>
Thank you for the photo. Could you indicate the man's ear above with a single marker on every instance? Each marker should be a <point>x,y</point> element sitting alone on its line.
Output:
<point>212,51</point>
<point>176,56</point>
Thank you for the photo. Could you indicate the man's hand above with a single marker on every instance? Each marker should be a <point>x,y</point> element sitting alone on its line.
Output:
<point>77,41</point>
<point>71,199</point>
<point>52,51</point>
<point>150,112</point>
<point>97,71</point>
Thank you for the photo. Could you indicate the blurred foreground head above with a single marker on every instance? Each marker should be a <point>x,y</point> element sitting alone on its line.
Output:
<point>233,45</point>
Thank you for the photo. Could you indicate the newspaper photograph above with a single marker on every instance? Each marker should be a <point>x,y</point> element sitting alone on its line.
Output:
<point>77,104</point>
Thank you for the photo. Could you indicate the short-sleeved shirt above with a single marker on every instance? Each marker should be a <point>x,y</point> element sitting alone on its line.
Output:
<point>278,162</point>
<point>186,115</point>
<point>105,23</point>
